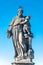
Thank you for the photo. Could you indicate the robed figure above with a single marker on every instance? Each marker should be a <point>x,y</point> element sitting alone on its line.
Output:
<point>19,30</point>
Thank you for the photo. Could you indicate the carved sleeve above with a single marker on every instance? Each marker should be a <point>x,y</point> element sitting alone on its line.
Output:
<point>11,24</point>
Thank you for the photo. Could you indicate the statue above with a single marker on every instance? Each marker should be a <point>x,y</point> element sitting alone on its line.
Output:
<point>19,30</point>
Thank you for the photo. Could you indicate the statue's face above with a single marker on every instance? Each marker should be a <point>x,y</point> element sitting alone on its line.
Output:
<point>20,12</point>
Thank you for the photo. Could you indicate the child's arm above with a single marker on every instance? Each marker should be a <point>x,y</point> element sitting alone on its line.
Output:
<point>25,20</point>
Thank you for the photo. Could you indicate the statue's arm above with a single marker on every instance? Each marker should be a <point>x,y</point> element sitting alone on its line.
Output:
<point>11,24</point>
<point>26,19</point>
<point>9,31</point>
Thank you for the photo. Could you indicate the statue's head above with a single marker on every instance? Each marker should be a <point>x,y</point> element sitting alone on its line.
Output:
<point>20,11</point>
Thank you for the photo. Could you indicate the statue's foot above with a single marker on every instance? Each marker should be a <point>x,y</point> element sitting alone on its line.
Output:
<point>18,58</point>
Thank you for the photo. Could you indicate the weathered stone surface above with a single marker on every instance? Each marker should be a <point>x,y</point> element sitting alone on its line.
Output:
<point>20,30</point>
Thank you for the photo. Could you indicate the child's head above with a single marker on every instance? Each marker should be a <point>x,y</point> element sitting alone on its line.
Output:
<point>27,17</point>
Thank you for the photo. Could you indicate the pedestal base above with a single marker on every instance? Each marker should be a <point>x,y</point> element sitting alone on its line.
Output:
<point>22,63</point>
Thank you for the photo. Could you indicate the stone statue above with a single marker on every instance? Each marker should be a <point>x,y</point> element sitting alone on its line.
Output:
<point>19,30</point>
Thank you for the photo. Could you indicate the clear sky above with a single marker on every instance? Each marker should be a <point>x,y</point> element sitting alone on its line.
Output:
<point>8,10</point>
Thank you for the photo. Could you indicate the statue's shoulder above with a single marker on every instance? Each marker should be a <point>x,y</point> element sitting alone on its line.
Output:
<point>15,17</point>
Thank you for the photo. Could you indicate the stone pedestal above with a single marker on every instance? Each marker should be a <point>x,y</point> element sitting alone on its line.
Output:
<point>22,63</point>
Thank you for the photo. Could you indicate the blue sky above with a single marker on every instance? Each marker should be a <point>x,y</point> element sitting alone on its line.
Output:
<point>8,10</point>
